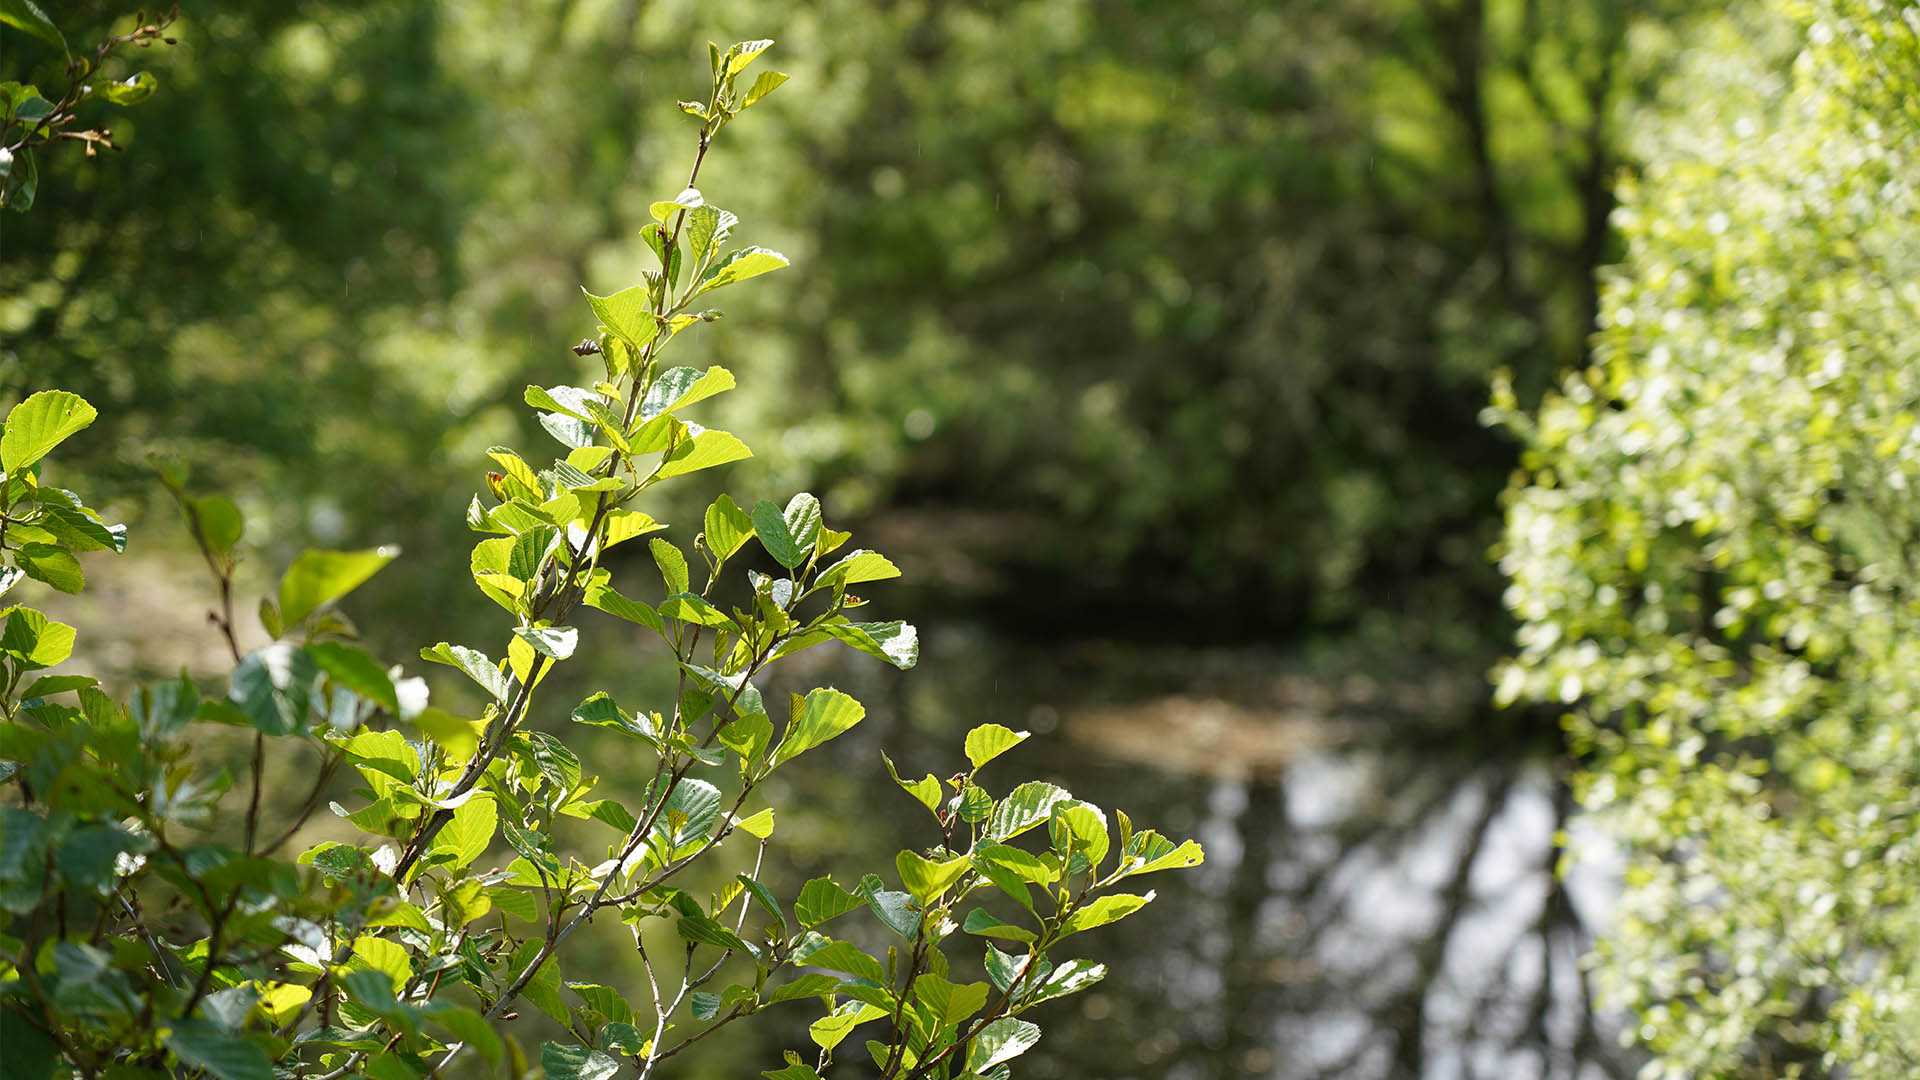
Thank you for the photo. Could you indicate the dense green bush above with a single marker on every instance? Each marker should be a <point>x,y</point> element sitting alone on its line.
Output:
<point>154,922</point>
<point>1715,555</point>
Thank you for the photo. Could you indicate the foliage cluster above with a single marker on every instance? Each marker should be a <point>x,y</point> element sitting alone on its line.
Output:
<point>1714,555</point>
<point>154,922</point>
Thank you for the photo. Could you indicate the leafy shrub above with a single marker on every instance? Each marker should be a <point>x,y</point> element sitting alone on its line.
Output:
<point>1713,556</point>
<point>140,937</point>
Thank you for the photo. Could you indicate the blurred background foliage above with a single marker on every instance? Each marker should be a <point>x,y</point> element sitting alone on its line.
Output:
<point>1171,311</point>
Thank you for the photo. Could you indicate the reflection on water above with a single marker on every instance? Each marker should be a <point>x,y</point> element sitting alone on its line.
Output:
<point>1378,899</point>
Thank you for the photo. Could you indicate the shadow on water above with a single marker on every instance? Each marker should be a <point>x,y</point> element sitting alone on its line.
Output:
<point>1378,899</point>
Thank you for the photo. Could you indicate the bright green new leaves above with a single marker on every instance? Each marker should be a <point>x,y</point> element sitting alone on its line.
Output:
<point>840,956</point>
<point>927,879</point>
<point>896,642</point>
<point>980,922</point>
<point>1027,806</point>
<point>1079,828</point>
<point>35,641</point>
<point>1106,909</point>
<point>321,577</point>
<point>989,741</point>
<point>830,1030</point>
<point>476,664</point>
<point>52,565</point>
<point>728,528</point>
<point>821,900</point>
<point>926,789</point>
<point>1002,1040</point>
<point>788,535</point>
<point>627,313</point>
<point>738,266</point>
<point>767,83</point>
<point>704,450</point>
<point>818,717</point>
<point>40,423</point>
<point>862,565</point>
<point>554,642</point>
<point>677,388</point>
<point>131,90</point>
<point>467,834</point>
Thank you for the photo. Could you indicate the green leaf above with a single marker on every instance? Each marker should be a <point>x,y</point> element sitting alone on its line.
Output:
<point>896,642</point>
<point>704,450</point>
<point>44,420</point>
<point>1154,853</point>
<point>707,226</point>
<point>767,83</point>
<point>821,900</point>
<point>217,523</point>
<point>627,313</point>
<point>576,1063</point>
<point>35,640</point>
<point>1022,863</point>
<point>759,825</point>
<point>989,741</point>
<point>705,931</point>
<point>199,1044</point>
<point>688,199</point>
<point>672,564</point>
<point>743,53</point>
<point>30,1054</point>
<point>844,957</point>
<point>727,527</point>
<point>981,922</point>
<point>895,910</point>
<point>131,90</point>
<point>830,1030</point>
<point>611,602</point>
<point>676,388</point>
<point>1079,828</point>
<point>52,565</point>
<point>477,666</point>
<point>927,879</point>
<point>687,607</point>
<point>861,565</point>
<point>384,752</point>
<point>274,686</point>
<point>80,531</point>
<point>56,684</point>
<point>1026,806</point>
<point>1069,978</point>
<point>948,1003</point>
<point>26,15</point>
<point>357,670</point>
<point>321,577</point>
<point>552,641</point>
<point>1106,909</point>
<point>1001,1040</point>
<point>825,713</point>
<point>468,833</point>
<point>812,984</point>
<point>788,535</point>
<point>926,789</point>
<point>738,266</point>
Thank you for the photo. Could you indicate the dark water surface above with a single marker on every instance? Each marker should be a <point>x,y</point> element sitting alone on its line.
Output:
<point>1378,900</point>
